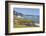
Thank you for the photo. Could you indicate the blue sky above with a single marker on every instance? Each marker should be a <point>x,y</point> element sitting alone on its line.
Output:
<point>27,11</point>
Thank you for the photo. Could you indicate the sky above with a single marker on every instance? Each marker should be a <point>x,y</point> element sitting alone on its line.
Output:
<point>27,11</point>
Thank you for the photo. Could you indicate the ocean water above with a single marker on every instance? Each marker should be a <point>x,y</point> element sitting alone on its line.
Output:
<point>35,18</point>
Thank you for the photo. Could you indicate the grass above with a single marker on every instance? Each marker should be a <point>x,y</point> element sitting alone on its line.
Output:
<point>23,20</point>
<point>21,25</point>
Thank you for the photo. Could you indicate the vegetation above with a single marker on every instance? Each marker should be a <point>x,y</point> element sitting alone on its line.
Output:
<point>20,26</point>
<point>21,22</point>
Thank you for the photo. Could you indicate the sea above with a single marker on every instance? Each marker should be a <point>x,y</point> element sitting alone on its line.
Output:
<point>35,18</point>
